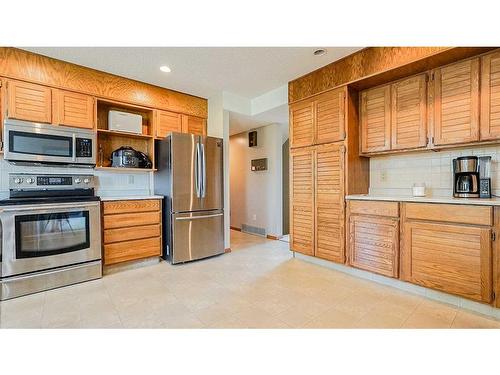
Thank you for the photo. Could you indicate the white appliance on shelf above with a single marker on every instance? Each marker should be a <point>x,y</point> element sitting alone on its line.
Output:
<point>125,122</point>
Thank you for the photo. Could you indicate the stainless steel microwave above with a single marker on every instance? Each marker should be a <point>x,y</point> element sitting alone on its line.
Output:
<point>30,142</point>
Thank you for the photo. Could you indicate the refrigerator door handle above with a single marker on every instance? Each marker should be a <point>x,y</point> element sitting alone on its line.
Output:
<point>198,217</point>
<point>203,171</point>
<point>197,171</point>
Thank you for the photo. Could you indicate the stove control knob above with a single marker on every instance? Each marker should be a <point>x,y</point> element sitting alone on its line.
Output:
<point>86,180</point>
<point>77,180</point>
<point>30,180</point>
<point>18,180</point>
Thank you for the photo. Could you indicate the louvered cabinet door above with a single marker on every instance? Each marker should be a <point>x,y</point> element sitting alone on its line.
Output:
<point>409,113</point>
<point>374,244</point>
<point>73,109</point>
<point>329,115</point>
<point>167,122</point>
<point>490,96</point>
<point>456,103</point>
<point>329,188</point>
<point>302,124</point>
<point>376,119</point>
<point>452,258</point>
<point>302,200</point>
<point>194,125</point>
<point>27,101</point>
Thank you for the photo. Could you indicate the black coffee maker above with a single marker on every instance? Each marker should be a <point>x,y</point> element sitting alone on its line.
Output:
<point>466,177</point>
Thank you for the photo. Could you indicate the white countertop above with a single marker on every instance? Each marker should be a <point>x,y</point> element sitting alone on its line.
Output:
<point>389,198</point>
<point>130,197</point>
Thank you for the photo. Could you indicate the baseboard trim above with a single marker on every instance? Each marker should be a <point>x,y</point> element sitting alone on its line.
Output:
<point>235,228</point>
<point>408,287</point>
<point>228,250</point>
<point>271,237</point>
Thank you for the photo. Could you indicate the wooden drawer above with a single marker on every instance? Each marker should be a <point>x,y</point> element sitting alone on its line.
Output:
<point>127,234</point>
<point>131,219</point>
<point>377,208</point>
<point>140,205</point>
<point>374,244</point>
<point>451,213</point>
<point>130,250</point>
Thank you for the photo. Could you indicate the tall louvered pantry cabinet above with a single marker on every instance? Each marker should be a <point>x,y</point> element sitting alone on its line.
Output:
<point>323,132</point>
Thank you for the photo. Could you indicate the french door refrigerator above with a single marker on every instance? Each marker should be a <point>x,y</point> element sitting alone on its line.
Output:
<point>190,177</point>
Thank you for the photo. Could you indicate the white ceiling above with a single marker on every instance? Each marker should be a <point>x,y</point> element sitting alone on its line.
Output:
<point>239,123</point>
<point>202,71</point>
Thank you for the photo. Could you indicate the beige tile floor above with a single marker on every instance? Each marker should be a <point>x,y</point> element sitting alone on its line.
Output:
<point>258,285</point>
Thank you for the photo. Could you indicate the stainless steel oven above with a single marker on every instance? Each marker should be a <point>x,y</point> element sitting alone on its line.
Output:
<point>50,233</point>
<point>30,142</point>
<point>49,236</point>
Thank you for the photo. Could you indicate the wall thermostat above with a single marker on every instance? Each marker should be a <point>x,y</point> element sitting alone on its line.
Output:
<point>252,138</point>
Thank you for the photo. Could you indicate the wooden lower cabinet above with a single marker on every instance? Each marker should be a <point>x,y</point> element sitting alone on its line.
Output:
<point>374,244</point>
<point>302,200</point>
<point>132,230</point>
<point>317,201</point>
<point>450,257</point>
<point>374,236</point>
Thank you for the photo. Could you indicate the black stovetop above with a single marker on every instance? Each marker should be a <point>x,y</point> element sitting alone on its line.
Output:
<point>47,200</point>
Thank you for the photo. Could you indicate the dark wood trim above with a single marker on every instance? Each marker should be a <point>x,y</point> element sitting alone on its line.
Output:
<point>235,228</point>
<point>228,250</point>
<point>271,237</point>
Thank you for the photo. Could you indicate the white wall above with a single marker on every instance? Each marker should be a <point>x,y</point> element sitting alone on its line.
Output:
<point>395,174</point>
<point>218,126</point>
<point>256,195</point>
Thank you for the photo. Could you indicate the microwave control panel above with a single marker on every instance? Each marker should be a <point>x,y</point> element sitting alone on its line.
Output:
<point>83,148</point>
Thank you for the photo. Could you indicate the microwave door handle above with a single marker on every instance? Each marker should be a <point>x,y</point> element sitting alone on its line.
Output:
<point>74,148</point>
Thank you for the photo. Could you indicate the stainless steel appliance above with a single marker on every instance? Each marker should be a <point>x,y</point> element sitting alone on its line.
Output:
<point>50,233</point>
<point>127,157</point>
<point>190,176</point>
<point>484,167</point>
<point>29,142</point>
<point>466,177</point>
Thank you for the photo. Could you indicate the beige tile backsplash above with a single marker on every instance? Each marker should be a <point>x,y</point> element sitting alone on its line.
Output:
<point>107,184</point>
<point>396,174</point>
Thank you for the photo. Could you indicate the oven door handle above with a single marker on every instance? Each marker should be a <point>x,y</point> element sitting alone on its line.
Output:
<point>46,207</point>
<point>73,157</point>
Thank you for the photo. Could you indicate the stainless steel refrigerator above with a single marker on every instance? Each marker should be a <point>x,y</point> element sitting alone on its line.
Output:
<point>190,177</point>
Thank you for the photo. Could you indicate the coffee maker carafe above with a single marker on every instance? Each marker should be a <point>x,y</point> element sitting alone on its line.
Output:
<point>466,177</point>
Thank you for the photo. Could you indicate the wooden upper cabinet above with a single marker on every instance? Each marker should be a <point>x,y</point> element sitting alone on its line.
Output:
<point>452,258</point>
<point>329,191</point>
<point>167,122</point>
<point>302,200</point>
<point>490,96</point>
<point>73,109</point>
<point>456,103</point>
<point>28,101</point>
<point>302,124</point>
<point>375,108</point>
<point>329,115</point>
<point>374,244</point>
<point>194,125</point>
<point>409,113</point>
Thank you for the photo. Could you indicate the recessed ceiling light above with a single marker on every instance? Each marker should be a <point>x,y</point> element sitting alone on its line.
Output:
<point>319,52</point>
<point>165,69</point>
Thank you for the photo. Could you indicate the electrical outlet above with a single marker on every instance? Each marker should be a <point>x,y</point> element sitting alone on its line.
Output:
<point>383,175</point>
<point>130,179</point>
